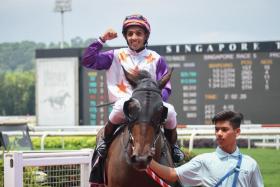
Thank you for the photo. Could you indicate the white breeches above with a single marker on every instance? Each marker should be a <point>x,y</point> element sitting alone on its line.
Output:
<point>117,115</point>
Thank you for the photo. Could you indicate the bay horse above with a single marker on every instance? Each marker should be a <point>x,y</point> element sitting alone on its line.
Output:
<point>141,139</point>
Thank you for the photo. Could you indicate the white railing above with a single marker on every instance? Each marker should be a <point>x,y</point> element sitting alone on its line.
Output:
<point>268,136</point>
<point>74,164</point>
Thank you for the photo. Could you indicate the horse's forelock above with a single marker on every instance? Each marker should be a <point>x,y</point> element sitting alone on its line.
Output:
<point>143,74</point>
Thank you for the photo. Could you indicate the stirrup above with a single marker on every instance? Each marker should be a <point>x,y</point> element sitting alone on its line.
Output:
<point>177,155</point>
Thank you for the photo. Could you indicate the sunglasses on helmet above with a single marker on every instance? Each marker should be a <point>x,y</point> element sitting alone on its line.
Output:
<point>138,16</point>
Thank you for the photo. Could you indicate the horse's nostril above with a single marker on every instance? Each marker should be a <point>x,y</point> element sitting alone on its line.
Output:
<point>149,158</point>
<point>133,158</point>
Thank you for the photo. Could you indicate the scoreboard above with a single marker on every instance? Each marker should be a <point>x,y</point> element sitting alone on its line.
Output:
<point>207,78</point>
<point>94,94</point>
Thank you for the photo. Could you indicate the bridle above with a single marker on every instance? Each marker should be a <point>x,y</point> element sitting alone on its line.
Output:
<point>156,125</point>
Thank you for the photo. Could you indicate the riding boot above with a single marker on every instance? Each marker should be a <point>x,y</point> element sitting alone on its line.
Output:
<point>99,155</point>
<point>103,144</point>
<point>171,136</point>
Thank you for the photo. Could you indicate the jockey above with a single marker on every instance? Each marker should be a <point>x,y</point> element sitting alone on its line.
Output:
<point>136,31</point>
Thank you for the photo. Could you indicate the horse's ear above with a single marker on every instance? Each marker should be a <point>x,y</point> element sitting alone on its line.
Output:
<point>130,78</point>
<point>125,108</point>
<point>163,81</point>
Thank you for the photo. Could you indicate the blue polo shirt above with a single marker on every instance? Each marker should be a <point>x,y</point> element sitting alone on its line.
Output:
<point>208,168</point>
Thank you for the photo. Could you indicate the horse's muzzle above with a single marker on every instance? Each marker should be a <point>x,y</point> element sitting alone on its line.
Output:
<point>140,162</point>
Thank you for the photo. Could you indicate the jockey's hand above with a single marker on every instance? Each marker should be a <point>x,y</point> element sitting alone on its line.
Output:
<point>110,34</point>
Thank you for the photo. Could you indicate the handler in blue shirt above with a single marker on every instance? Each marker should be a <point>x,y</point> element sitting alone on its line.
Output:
<point>225,167</point>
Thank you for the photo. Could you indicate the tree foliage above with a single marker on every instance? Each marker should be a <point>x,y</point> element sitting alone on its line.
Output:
<point>17,75</point>
<point>20,56</point>
<point>17,93</point>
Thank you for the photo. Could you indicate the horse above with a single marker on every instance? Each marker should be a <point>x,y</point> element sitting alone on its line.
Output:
<point>58,101</point>
<point>141,139</point>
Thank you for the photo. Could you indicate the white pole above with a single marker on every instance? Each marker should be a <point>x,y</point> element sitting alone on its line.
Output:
<point>62,6</point>
<point>13,169</point>
<point>191,142</point>
<point>277,142</point>
<point>62,31</point>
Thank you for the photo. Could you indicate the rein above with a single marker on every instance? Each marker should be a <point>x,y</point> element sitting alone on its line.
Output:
<point>156,178</point>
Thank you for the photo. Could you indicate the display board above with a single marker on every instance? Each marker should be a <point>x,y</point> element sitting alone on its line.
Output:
<point>93,96</point>
<point>57,91</point>
<point>208,78</point>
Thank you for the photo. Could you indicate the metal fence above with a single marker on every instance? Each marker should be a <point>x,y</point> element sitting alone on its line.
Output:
<point>52,169</point>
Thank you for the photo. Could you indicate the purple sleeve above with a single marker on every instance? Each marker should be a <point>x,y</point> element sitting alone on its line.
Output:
<point>162,69</point>
<point>95,59</point>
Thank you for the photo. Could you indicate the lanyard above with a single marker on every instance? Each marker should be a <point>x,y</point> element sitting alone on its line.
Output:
<point>234,170</point>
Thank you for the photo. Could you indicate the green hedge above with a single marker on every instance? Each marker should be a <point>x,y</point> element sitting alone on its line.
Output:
<point>70,142</point>
<point>79,142</point>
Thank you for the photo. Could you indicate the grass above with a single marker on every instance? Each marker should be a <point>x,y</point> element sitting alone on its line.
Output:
<point>268,160</point>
